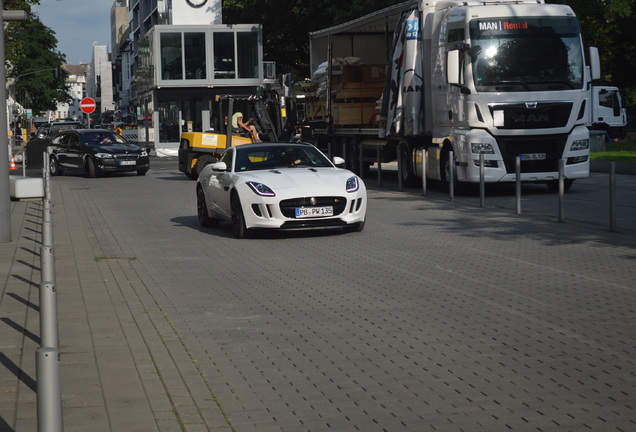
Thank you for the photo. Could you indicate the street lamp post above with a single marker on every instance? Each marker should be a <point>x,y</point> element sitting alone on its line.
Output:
<point>5,194</point>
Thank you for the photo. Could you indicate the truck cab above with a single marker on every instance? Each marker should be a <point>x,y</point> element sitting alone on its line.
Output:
<point>608,113</point>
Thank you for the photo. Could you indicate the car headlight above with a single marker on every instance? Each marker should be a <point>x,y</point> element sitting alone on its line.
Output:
<point>261,189</point>
<point>103,155</point>
<point>143,153</point>
<point>582,144</point>
<point>352,184</point>
<point>485,148</point>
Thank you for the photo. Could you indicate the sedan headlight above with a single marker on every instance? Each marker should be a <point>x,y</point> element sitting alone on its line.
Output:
<point>352,184</point>
<point>261,189</point>
<point>485,148</point>
<point>143,153</point>
<point>582,144</point>
<point>103,155</point>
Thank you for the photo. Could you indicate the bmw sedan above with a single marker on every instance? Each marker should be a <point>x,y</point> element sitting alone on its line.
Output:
<point>279,186</point>
<point>94,152</point>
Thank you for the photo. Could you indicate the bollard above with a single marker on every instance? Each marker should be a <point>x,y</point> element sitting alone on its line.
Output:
<point>378,153</point>
<point>612,196</point>
<point>451,175</point>
<point>482,181</point>
<point>518,183</point>
<point>361,164</point>
<point>48,315</point>
<point>400,167</point>
<point>424,156</point>
<point>561,190</point>
<point>49,396</point>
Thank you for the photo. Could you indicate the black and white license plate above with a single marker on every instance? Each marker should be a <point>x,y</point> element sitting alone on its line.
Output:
<point>305,212</point>
<point>533,156</point>
<point>123,163</point>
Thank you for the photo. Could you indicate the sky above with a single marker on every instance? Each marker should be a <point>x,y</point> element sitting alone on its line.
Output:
<point>77,25</point>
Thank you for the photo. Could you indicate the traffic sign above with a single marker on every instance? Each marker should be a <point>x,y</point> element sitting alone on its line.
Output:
<point>88,105</point>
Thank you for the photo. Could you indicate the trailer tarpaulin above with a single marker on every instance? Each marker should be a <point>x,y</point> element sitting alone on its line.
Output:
<point>403,103</point>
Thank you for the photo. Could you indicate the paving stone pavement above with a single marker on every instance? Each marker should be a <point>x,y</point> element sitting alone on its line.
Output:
<point>438,317</point>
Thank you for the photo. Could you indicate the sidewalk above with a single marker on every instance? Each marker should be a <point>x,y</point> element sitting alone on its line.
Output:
<point>109,380</point>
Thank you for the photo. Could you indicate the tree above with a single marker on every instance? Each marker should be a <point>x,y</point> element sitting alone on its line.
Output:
<point>39,79</point>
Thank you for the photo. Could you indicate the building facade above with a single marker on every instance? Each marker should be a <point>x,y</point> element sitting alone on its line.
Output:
<point>173,59</point>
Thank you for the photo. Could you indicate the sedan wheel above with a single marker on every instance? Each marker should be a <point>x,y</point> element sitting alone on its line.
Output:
<point>54,167</point>
<point>202,210</point>
<point>238,220</point>
<point>91,168</point>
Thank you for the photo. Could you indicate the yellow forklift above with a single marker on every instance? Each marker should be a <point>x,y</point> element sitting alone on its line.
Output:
<point>198,149</point>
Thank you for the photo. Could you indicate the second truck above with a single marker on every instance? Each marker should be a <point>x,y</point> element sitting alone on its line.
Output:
<point>461,77</point>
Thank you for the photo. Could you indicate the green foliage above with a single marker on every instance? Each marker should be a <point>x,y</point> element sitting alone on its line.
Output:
<point>609,25</point>
<point>40,89</point>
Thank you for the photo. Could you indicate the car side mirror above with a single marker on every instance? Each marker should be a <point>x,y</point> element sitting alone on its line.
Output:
<point>338,161</point>
<point>219,166</point>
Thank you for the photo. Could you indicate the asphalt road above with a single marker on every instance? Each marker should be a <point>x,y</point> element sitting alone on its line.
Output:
<point>439,316</point>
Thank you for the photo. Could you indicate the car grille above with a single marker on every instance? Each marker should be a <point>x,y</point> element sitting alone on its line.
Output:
<point>126,157</point>
<point>288,207</point>
<point>541,115</point>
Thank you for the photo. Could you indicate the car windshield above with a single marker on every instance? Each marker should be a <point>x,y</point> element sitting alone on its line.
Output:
<point>275,157</point>
<point>102,138</point>
<point>526,54</point>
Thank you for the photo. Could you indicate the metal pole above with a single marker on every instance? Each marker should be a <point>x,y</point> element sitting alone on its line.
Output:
<point>482,181</point>
<point>451,172</point>
<point>379,167</point>
<point>49,402</point>
<point>424,156</point>
<point>5,184</point>
<point>561,190</point>
<point>361,162</point>
<point>518,182</point>
<point>400,167</point>
<point>612,196</point>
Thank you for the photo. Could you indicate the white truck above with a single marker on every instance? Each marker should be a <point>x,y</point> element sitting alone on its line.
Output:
<point>502,78</point>
<point>608,113</point>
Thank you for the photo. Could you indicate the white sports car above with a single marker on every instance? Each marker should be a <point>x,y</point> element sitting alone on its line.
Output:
<point>280,186</point>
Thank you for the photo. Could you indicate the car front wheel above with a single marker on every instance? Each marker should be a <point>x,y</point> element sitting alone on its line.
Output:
<point>54,167</point>
<point>202,210</point>
<point>91,168</point>
<point>238,219</point>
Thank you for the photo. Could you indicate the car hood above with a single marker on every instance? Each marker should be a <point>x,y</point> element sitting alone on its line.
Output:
<point>310,180</point>
<point>117,148</point>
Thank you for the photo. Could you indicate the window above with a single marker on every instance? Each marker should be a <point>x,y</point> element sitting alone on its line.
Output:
<point>171,57</point>
<point>194,46</point>
<point>224,56</point>
<point>247,50</point>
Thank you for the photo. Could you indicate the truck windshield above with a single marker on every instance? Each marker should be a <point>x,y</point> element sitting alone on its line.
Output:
<point>526,54</point>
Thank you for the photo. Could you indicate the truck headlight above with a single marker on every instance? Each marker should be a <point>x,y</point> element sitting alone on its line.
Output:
<point>582,144</point>
<point>485,148</point>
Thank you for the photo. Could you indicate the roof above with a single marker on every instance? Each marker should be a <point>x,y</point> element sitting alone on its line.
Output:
<point>75,69</point>
<point>375,22</point>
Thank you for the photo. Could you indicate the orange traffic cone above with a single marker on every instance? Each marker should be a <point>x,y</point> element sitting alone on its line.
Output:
<point>12,166</point>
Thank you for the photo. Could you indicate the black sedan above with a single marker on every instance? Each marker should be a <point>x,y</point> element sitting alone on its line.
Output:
<point>95,152</point>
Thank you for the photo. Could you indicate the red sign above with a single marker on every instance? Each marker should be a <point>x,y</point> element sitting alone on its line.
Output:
<point>87,105</point>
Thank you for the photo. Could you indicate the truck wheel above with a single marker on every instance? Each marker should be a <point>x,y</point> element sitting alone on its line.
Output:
<point>446,169</point>
<point>202,162</point>
<point>406,165</point>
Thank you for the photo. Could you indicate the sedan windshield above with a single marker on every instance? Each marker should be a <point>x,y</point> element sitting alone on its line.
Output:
<point>275,157</point>
<point>526,54</point>
<point>103,137</point>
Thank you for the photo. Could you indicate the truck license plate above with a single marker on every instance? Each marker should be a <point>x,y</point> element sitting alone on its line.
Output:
<point>532,156</point>
<point>305,212</point>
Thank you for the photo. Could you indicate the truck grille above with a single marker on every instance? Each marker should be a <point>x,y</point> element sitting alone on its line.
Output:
<point>552,146</point>
<point>540,115</point>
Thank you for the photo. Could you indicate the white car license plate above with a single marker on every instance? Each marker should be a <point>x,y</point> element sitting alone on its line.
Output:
<point>128,163</point>
<point>533,156</point>
<point>305,212</point>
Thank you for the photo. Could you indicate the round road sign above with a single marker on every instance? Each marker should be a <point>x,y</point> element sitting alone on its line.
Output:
<point>87,105</point>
